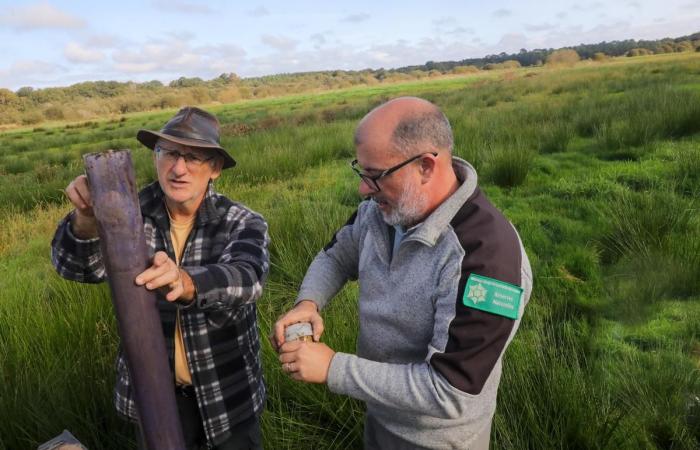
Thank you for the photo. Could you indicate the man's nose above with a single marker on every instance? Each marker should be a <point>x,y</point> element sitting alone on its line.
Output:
<point>180,166</point>
<point>365,189</point>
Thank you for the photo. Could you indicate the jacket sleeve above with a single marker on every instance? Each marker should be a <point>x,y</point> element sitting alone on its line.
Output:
<point>463,357</point>
<point>238,275</point>
<point>76,259</point>
<point>334,265</point>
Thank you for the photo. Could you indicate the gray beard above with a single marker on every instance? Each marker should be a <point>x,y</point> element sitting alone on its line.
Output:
<point>409,207</point>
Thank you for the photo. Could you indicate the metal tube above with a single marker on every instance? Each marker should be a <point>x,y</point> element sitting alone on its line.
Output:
<point>125,255</point>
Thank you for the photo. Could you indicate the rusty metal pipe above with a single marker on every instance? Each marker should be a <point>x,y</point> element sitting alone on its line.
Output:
<point>125,255</point>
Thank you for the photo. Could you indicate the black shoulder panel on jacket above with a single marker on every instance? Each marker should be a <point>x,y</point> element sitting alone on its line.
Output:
<point>477,338</point>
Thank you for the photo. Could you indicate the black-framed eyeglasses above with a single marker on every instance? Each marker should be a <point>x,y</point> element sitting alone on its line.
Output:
<point>371,180</point>
<point>171,156</point>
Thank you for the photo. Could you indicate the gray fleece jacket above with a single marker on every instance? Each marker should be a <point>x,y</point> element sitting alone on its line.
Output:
<point>428,362</point>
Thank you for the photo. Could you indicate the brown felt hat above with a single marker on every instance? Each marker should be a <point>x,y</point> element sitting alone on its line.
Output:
<point>193,127</point>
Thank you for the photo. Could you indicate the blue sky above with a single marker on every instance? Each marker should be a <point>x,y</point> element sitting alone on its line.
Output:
<point>57,43</point>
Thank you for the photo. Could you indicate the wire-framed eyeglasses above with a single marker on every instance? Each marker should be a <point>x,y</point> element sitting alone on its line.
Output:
<point>371,180</point>
<point>171,156</point>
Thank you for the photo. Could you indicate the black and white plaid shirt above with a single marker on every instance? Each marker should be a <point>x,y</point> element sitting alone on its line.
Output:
<point>226,255</point>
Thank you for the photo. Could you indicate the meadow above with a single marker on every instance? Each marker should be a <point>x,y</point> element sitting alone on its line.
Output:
<point>597,165</point>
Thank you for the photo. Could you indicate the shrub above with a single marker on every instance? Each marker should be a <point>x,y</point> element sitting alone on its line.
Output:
<point>510,64</point>
<point>639,52</point>
<point>508,167</point>
<point>32,117</point>
<point>54,113</point>
<point>564,57</point>
<point>555,137</point>
<point>599,56</point>
<point>687,171</point>
<point>639,223</point>
<point>464,69</point>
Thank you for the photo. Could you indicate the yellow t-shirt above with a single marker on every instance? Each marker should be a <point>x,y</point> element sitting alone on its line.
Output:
<point>179,231</point>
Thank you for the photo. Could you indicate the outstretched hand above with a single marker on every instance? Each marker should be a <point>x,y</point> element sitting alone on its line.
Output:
<point>166,275</point>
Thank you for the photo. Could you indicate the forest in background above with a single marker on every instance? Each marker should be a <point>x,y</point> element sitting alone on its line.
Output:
<point>28,106</point>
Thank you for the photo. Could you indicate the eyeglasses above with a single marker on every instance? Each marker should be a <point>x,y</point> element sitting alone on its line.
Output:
<point>192,160</point>
<point>371,181</point>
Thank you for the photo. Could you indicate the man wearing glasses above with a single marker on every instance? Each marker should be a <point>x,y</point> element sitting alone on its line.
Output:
<point>210,261</point>
<point>443,281</point>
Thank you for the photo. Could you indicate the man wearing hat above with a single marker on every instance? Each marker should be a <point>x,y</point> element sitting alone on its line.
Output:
<point>209,263</point>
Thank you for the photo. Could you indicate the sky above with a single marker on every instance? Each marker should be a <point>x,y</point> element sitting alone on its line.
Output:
<point>59,43</point>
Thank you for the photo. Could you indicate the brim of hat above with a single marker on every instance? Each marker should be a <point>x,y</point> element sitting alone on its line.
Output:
<point>149,139</point>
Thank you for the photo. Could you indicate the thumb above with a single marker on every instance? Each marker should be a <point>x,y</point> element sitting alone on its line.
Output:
<point>317,327</point>
<point>160,258</point>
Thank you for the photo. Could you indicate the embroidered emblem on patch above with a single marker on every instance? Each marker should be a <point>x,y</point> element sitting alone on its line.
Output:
<point>492,296</point>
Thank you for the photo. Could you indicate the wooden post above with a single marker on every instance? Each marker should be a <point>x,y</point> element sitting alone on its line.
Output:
<point>125,255</point>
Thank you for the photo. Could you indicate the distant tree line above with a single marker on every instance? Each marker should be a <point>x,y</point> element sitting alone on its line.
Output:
<point>91,99</point>
<point>585,51</point>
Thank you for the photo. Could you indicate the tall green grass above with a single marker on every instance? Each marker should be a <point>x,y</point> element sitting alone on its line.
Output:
<point>595,165</point>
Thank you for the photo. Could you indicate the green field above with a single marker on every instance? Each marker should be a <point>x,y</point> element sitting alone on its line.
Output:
<point>597,165</point>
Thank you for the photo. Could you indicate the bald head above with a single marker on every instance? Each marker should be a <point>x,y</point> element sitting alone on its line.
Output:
<point>406,126</point>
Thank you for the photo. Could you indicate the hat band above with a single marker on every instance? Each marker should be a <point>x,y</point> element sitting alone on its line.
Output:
<point>187,135</point>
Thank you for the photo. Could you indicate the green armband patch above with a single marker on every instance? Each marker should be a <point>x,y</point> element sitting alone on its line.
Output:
<point>493,296</point>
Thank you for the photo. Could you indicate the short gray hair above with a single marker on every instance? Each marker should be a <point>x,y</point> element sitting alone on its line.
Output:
<point>425,127</point>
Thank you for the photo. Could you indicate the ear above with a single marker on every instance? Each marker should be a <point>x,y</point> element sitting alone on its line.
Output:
<point>428,164</point>
<point>217,167</point>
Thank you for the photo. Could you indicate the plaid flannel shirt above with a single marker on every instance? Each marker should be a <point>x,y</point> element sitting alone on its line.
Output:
<point>226,255</point>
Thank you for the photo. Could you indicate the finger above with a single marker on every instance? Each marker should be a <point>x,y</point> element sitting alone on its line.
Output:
<point>273,340</point>
<point>74,197</point>
<point>317,327</point>
<point>296,376</point>
<point>175,293</point>
<point>289,347</point>
<point>160,258</point>
<point>151,273</point>
<point>288,357</point>
<point>278,333</point>
<point>169,279</point>
<point>83,189</point>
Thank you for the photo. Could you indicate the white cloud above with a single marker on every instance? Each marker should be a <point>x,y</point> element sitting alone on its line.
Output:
<point>103,41</point>
<point>39,16</point>
<point>501,13</point>
<point>78,53</point>
<point>260,11</point>
<point>450,26</point>
<point>171,55</point>
<point>444,22</point>
<point>540,27</point>
<point>281,43</point>
<point>318,39</point>
<point>460,30</point>
<point>356,18</point>
<point>174,56</point>
<point>182,35</point>
<point>586,7</point>
<point>347,56</point>
<point>511,42</point>
<point>183,7</point>
<point>29,72</point>
<point>222,58</point>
